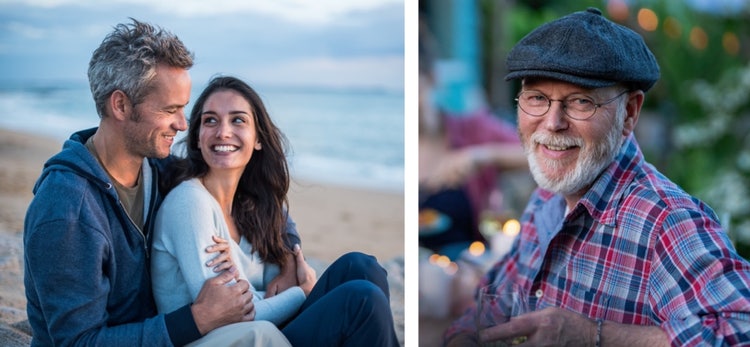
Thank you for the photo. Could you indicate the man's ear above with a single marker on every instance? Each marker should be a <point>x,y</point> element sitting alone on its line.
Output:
<point>633,111</point>
<point>120,105</point>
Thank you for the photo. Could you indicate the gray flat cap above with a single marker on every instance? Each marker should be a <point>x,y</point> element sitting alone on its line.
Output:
<point>585,49</point>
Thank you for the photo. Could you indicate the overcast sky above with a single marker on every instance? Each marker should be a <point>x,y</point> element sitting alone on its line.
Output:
<point>331,43</point>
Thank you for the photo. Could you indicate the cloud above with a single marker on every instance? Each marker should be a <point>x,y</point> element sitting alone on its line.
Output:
<point>303,11</point>
<point>341,43</point>
<point>25,31</point>
<point>385,73</point>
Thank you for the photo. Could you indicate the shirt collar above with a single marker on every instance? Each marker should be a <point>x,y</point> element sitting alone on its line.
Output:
<point>602,199</point>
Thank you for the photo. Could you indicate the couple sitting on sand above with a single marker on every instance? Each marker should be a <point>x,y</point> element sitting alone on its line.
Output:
<point>218,261</point>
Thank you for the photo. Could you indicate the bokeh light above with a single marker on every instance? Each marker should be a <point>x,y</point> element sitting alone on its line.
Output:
<point>443,261</point>
<point>698,38</point>
<point>647,19</point>
<point>433,258</point>
<point>672,28</point>
<point>618,10</point>
<point>731,43</point>
<point>476,248</point>
<point>451,269</point>
<point>512,227</point>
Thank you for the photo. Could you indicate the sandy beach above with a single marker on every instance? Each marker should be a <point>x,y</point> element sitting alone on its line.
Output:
<point>332,220</point>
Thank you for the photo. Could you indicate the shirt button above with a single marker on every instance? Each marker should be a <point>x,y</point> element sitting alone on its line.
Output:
<point>539,293</point>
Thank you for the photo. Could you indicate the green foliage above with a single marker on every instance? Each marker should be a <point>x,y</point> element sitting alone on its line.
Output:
<point>713,151</point>
<point>708,91</point>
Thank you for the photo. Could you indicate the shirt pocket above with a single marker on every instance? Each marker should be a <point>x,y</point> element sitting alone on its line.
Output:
<point>588,301</point>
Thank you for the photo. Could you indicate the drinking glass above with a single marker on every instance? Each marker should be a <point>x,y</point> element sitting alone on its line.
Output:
<point>497,305</point>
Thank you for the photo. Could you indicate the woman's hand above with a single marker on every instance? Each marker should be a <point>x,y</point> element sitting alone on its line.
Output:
<point>223,260</point>
<point>306,276</point>
<point>286,279</point>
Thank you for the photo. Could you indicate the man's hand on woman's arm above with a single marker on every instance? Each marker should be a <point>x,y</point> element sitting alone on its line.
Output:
<point>219,304</point>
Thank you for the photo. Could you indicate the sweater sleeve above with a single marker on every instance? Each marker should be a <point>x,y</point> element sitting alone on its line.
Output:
<point>279,308</point>
<point>292,236</point>
<point>184,225</point>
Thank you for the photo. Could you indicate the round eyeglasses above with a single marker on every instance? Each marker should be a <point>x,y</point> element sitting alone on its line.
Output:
<point>575,106</point>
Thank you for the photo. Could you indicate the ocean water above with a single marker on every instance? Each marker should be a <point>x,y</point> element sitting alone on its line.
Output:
<point>345,137</point>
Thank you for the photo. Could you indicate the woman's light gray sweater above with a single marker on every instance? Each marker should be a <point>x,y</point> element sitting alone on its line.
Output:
<point>187,219</point>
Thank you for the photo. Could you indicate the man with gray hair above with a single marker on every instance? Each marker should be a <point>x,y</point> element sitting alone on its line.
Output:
<point>610,252</point>
<point>88,229</point>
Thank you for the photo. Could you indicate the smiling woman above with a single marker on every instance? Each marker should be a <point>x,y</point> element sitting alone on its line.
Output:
<point>227,136</point>
<point>233,184</point>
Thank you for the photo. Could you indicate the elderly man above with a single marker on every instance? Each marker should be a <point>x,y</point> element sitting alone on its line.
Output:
<point>611,252</point>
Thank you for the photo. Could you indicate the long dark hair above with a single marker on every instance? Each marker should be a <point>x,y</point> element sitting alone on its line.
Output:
<point>260,203</point>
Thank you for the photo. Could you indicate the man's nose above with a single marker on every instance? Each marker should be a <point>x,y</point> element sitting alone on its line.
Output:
<point>555,119</point>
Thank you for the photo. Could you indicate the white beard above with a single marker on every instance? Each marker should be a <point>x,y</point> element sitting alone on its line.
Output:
<point>590,164</point>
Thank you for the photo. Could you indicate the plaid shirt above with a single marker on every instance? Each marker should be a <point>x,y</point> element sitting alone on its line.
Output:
<point>636,249</point>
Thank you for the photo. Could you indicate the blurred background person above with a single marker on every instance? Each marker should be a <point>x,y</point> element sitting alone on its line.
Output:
<point>461,157</point>
<point>463,153</point>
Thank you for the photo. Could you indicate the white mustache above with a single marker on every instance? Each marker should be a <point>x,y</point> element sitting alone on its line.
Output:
<point>556,140</point>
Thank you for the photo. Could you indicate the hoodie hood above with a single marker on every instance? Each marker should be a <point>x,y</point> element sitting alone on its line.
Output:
<point>76,158</point>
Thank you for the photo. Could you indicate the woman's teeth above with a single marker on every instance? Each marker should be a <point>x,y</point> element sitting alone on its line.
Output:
<point>225,148</point>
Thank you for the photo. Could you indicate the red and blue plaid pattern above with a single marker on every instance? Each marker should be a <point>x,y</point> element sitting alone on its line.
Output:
<point>636,249</point>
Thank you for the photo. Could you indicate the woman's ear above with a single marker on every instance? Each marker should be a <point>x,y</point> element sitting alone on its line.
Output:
<point>258,146</point>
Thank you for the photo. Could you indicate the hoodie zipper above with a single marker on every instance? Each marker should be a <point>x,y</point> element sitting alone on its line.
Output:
<point>107,185</point>
<point>123,211</point>
<point>145,244</point>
